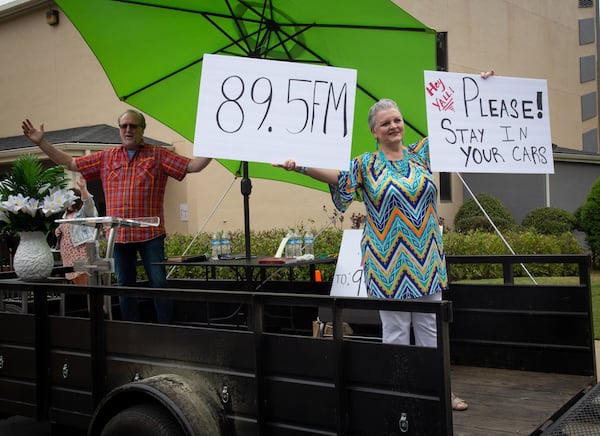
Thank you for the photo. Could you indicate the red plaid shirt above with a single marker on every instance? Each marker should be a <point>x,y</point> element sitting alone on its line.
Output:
<point>134,188</point>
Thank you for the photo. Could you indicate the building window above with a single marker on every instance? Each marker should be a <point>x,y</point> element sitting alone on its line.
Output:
<point>587,68</point>
<point>590,141</point>
<point>587,31</point>
<point>586,3</point>
<point>445,187</point>
<point>588,106</point>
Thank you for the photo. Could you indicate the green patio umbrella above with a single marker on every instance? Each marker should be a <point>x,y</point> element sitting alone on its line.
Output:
<point>152,51</point>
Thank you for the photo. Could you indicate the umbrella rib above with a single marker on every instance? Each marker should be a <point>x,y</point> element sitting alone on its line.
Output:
<point>209,17</point>
<point>174,72</point>
<point>171,8</point>
<point>358,27</point>
<point>285,49</point>
<point>237,25</point>
<point>260,40</point>
<point>236,42</point>
<point>292,37</point>
<point>265,27</point>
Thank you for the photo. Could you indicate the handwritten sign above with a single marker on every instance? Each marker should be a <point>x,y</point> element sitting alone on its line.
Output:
<point>260,110</point>
<point>348,278</point>
<point>498,125</point>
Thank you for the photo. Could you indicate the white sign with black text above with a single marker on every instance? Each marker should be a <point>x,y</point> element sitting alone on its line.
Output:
<point>259,110</point>
<point>348,278</point>
<point>494,125</point>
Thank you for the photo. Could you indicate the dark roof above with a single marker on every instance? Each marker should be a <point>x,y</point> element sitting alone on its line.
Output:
<point>558,149</point>
<point>98,134</point>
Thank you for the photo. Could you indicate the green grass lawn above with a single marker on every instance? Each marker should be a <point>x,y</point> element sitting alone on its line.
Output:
<point>567,281</point>
<point>596,302</point>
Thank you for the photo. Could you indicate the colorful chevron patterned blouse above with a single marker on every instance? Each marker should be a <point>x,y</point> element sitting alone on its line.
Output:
<point>402,248</point>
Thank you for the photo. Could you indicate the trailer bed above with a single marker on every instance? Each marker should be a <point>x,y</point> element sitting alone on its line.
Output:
<point>509,402</point>
<point>522,356</point>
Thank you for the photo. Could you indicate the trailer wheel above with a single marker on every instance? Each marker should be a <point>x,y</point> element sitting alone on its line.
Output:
<point>143,419</point>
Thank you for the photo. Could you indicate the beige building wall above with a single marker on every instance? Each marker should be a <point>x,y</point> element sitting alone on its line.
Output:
<point>519,38</point>
<point>49,75</point>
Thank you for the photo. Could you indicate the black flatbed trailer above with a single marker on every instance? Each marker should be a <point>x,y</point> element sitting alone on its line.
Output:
<point>245,363</point>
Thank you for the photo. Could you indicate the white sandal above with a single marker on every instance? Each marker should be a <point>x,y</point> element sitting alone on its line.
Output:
<point>458,403</point>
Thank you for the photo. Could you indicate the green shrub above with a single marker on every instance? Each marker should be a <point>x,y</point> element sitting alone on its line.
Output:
<point>549,221</point>
<point>485,243</point>
<point>470,217</point>
<point>590,219</point>
<point>265,243</point>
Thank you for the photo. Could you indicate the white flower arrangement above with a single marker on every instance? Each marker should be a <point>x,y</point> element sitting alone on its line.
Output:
<point>31,199</point>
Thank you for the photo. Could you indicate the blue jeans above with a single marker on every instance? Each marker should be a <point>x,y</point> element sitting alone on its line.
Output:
<point>151,251</point>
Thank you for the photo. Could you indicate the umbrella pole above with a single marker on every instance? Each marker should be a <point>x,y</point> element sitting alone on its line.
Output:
<point>246,187</point>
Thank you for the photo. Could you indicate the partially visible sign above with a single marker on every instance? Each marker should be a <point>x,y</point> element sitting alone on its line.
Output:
<point>494,125</point>
<point>348,278</point>
<point>268,111</point>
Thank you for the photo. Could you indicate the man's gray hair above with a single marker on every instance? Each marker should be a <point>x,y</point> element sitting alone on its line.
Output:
<point>136,113</point>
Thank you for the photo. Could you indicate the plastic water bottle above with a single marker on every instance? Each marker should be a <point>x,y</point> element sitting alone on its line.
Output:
<point>215,244</point>
<point>297,244</point>
<point>309,243</point>
<point>225,243</point>
<point>289,244</point>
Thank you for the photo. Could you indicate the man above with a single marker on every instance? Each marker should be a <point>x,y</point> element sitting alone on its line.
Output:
<point>134,176</point>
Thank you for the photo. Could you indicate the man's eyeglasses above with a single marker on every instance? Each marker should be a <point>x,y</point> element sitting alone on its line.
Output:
<point>131,126</point>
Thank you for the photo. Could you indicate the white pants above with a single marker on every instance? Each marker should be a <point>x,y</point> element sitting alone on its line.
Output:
<point>396,325</point>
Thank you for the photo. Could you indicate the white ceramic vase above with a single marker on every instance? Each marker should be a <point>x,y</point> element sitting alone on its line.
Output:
<point>33,258</point>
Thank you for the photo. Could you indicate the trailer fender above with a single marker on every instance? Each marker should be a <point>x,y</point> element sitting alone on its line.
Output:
<point>193,406</point>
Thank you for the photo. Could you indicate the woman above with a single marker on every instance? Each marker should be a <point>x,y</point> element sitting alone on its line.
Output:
<point>402,247</point>
<point>71,237</point>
